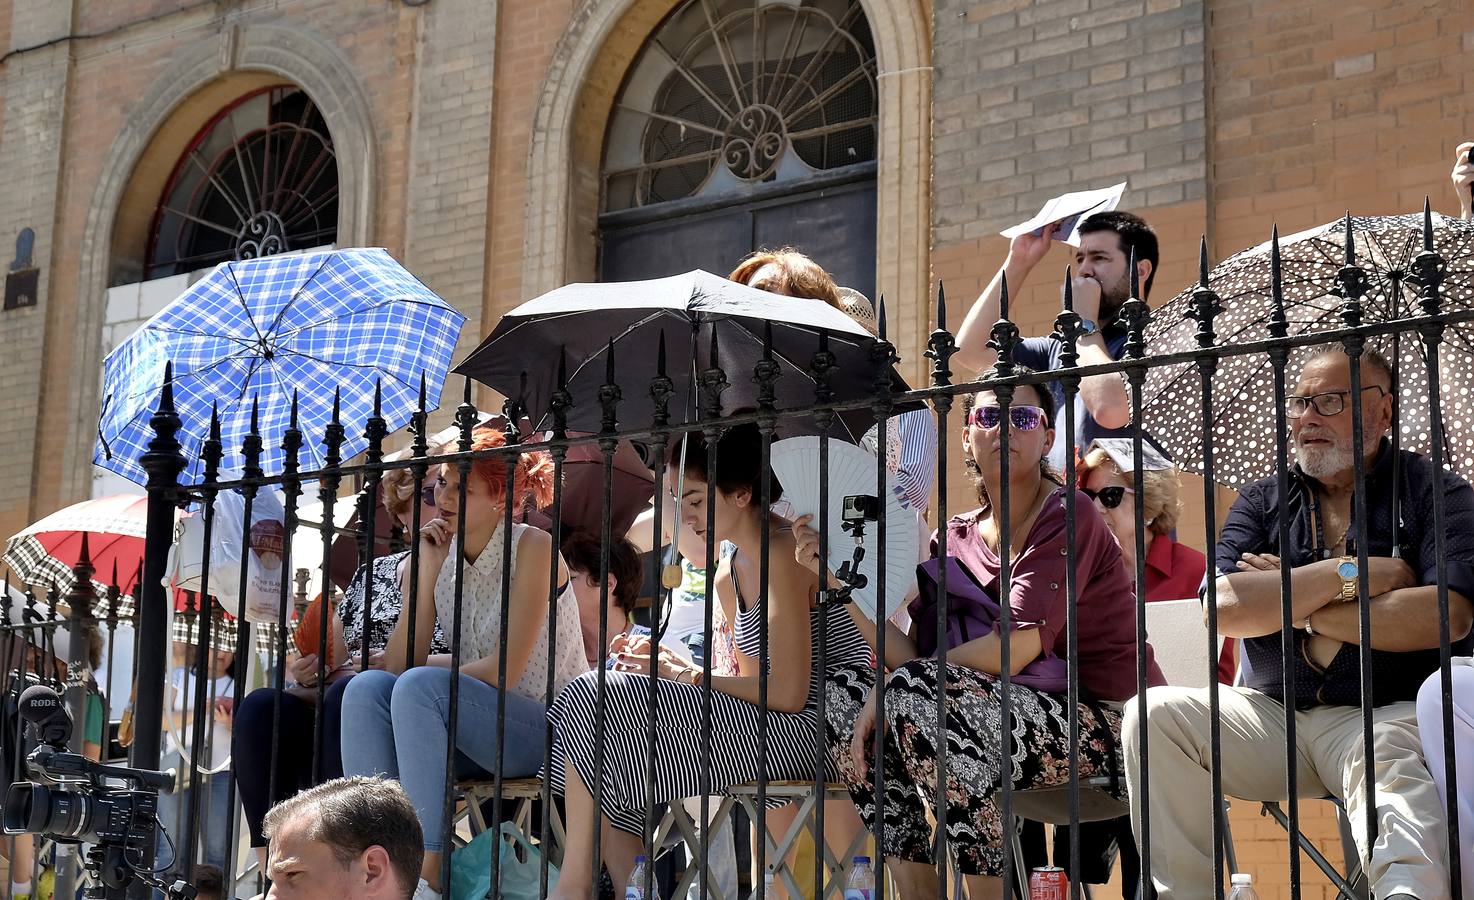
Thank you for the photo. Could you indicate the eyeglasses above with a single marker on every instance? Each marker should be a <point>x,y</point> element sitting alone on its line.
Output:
<point>1024,418</point>
<point>1109,497</point>
<point>427,495</point>
<point>1330,403</point>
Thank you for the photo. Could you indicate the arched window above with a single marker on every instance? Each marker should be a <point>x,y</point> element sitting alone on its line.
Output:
<point>728,95</point>
<point>258,179</point>
<point>740,124</point>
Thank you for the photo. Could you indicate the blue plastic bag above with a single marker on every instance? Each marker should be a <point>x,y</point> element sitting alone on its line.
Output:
<point>521,860</point>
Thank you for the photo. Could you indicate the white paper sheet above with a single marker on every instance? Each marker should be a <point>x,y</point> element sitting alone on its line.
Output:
<point>1069,209</point>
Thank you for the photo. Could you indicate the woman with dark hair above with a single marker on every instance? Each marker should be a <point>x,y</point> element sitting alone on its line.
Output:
<point>733,758</point>
<point>1036,640</point>
<point>581,553</point>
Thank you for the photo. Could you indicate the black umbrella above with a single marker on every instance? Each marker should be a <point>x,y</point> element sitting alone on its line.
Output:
<point>584,322</point>
<point>1243,388</point>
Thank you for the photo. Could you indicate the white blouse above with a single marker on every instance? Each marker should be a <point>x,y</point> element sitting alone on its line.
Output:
<point>481,618</point>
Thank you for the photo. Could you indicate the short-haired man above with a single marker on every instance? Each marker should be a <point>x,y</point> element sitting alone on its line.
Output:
<point>346,839</point>
<point>1101,286</point>
<point>1410,853</point>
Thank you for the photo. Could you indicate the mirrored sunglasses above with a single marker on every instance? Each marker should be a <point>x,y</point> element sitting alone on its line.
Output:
<point>1024,418</point>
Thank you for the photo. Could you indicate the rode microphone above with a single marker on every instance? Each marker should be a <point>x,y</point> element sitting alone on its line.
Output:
<point>47,713</point>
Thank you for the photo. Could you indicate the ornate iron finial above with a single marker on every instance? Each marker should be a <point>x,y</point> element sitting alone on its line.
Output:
<point>291,442</point>
<point>1135,313</point>
<point>165,458</point>
<point>609,394</point>
<point>1353,287</point>
<point>252,446</point>
<point>1067,325</point>
<point>1004,337</point>
<point>466,416</point>
<point>713,382</point>
<point>562,399</point>
<point>1428,272</point>
<point>661,389</point>
<point>213,448</point>
<point>419,423</point>
<point>333,434</point>
<point>512,412</point>
<point>1279,325</point>
<point>375,430</point>
<point>941,346</point>
<point>1205,302</point>
<point>765,375</point>
<point>821,369</point>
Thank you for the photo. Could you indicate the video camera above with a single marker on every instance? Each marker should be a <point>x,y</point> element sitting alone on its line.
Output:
<point>69,801</point>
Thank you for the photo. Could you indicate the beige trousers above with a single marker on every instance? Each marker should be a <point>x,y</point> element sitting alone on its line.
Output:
<point>1410,854</point>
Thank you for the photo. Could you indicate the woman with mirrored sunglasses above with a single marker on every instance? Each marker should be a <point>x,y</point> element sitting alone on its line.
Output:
<point>1037,638</point>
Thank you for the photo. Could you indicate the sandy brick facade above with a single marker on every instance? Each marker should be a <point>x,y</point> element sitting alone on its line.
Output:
<point>470,137</point>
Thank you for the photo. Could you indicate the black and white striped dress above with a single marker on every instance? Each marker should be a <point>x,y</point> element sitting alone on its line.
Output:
<point>733,754</point>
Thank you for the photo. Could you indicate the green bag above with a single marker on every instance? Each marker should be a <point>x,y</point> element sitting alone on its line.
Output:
<point>519,872</point>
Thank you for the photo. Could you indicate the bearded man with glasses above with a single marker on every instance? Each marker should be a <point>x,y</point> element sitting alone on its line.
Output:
<point>1409,854</point>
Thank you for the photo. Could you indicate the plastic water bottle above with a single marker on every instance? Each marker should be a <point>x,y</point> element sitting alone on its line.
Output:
<point>1241,887</point>
<point>861,885</point>
<point>635,890</point>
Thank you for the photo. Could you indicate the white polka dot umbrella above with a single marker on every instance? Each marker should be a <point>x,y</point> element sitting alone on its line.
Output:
<point>1244,399</point>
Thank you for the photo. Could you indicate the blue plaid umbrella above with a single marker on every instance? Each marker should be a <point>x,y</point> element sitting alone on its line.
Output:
<point>270,327</point>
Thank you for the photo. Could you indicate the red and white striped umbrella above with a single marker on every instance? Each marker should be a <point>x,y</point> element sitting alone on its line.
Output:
<point>45,552</point>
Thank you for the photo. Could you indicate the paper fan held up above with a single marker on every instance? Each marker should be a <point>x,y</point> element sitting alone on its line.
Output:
<point>852,499</point>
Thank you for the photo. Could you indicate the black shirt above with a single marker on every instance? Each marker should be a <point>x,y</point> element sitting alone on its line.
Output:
<point>1252,526</point>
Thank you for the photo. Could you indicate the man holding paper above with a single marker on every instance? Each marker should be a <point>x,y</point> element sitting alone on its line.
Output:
<point>1104,240</point>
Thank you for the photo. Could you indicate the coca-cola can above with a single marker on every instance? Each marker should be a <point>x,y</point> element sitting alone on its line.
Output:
<point>1049,883</point>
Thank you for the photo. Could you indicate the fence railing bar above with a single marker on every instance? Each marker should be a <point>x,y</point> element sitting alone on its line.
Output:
<point>940,347</point>
<point>1279,360</point>
<point>1353,284</point>
<point>1429,269</point>
<point>882,358</point>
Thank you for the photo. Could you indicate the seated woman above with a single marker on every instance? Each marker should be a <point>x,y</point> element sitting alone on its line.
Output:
<point>733,758</point>
<point>1037,645</point>
<point>1174,571</point>
<point>252,736</point>
<point>400,715</point>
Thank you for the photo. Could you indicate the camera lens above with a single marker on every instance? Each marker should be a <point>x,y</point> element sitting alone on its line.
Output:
<point>40,810</point>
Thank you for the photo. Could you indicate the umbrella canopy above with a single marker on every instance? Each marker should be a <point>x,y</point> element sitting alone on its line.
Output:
<point>582,321</point>
<point>279,328</point>
<point>1244,400</point>
<point>44,553</point>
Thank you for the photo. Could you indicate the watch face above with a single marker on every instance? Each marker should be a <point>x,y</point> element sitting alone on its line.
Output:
<point>1347,570</point>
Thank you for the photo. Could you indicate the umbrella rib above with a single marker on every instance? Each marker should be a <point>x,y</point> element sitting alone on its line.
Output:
<point>241,296</point>
<point>301,288</point>
<point>163,329</point>
<point>602,347</point>
<point>364,309</point>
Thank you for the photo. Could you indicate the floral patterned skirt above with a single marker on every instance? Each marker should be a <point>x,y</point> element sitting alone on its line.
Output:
<point>974,819</point>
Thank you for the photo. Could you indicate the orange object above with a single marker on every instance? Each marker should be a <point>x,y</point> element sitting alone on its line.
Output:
<point>309,631</point>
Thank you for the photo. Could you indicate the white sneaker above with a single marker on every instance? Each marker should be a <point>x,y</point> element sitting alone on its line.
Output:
<point>423,892</point>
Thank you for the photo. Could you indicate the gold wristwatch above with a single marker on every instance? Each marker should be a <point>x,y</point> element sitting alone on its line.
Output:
<point>1348,570</point>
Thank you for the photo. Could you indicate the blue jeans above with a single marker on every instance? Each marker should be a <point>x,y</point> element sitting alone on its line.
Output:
<point>398,726</point>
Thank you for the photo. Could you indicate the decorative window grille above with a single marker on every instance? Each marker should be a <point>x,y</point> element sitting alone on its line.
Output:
<point>260,178</point>
<point>731,94</point>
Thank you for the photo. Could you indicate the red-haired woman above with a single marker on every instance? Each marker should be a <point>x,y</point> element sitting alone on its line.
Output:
<point>399,717</point>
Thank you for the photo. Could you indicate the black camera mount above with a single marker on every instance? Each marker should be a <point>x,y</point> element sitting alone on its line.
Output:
<point>857,510</point>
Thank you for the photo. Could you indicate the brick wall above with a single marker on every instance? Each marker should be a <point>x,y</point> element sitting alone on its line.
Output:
<point>31,153</point>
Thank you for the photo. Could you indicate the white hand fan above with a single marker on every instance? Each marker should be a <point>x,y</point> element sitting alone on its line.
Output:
<point>795,462</point>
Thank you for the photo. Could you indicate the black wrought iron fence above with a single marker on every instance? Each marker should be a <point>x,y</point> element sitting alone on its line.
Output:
<point>668,437</point>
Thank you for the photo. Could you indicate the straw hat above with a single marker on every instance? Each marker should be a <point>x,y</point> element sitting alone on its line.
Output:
<point>859,308</point>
